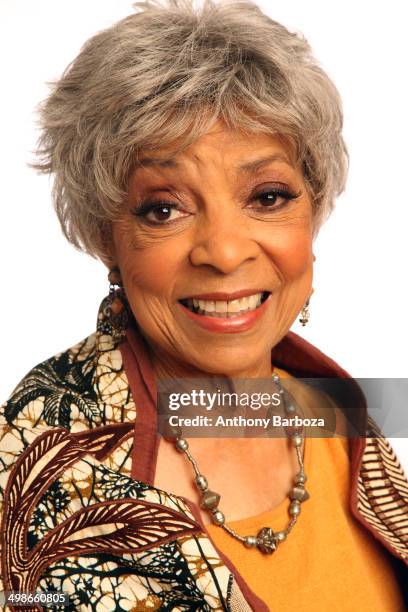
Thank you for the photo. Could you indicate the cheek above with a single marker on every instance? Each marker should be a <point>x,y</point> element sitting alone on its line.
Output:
<point>291,252</point>
<point>149,269</point>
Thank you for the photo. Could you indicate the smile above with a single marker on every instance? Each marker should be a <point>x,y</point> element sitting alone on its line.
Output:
<point>225,309</point>
<point>226,313</point>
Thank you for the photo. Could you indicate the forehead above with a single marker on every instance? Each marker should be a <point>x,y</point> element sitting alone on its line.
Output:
<point>247,151</point>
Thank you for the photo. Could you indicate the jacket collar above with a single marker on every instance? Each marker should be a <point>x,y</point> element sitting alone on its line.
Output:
<point>293,354</point>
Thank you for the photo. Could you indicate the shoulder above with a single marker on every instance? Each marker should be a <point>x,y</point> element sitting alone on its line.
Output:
<point>71,388</point>
<point>52,394</point>
<point>47,392</point>
<point>80,389</point>
<point>77,389</point>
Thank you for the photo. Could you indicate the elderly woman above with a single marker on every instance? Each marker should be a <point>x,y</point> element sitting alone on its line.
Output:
<point>196,152</point>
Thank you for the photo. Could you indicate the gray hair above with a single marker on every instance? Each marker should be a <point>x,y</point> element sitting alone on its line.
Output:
<point>165,74</point>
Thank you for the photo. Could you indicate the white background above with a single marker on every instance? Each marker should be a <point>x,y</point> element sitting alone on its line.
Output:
<point>50,293</point>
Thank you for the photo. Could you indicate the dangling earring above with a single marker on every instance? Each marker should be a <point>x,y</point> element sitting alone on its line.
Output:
<point>116,306</point>
<point>305,314</point>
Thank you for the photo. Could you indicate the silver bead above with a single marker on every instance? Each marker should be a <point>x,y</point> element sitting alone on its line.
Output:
<point>251,541</point>
<point>297,440</point>
<point>210,500</point>
<point>296,493</point>
<point>281,391</point>
<point>201,482</point>
<point>280,536</point>
<point>294,508</point>
<point>218,517</point>
<point>182,445</point>
<point>299,493</point>
<point>290,409</point>
<point>275,378</point>
<point>300,478</point>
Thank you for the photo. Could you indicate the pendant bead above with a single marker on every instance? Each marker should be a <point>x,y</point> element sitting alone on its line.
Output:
<point>266,540</point>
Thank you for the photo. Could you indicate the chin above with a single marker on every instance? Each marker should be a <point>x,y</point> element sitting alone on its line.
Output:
<point>234,362</point>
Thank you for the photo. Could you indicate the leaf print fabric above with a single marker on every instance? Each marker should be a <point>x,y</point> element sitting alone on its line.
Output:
<point>73,518</point>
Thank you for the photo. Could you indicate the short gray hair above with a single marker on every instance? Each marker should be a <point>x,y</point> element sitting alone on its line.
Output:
<point>166,73</point>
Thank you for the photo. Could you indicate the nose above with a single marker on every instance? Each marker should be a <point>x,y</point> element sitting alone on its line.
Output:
<point>223,245</point>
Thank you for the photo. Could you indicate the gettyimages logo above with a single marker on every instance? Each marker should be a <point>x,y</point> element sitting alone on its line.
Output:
<point>239,408</point>
<point>209,400</point>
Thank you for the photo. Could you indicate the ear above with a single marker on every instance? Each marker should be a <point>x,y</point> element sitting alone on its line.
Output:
<point>107,252</point>
<point>107,259</point>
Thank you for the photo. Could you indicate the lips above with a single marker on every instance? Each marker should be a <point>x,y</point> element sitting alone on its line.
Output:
<point>225,308</point>
<point>226,313</point>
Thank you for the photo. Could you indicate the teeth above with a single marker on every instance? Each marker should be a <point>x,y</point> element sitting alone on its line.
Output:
<point>222,308</point>
<point>206,305</point>
<point>253,301</point>
<point>234,306</point>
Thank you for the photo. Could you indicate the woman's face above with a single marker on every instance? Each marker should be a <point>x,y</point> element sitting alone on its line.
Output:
<point>214,246</point>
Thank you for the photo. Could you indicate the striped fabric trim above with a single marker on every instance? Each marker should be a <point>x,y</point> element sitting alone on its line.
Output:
<point>382,492</point>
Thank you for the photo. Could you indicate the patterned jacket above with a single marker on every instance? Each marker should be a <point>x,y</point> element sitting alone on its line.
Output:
<point>81,515</point>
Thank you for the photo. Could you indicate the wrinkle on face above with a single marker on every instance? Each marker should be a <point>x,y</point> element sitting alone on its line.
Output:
<point>223,243</point>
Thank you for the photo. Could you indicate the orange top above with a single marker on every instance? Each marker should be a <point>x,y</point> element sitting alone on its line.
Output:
<point>329,561</point>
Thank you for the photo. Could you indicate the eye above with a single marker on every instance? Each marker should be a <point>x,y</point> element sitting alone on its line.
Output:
<point>159,213</point>
<point>274,196</point>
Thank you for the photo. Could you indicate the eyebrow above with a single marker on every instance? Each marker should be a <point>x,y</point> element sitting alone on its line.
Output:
<point>162,162</point>
<point>258,164</point>
<point>247,167</point>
